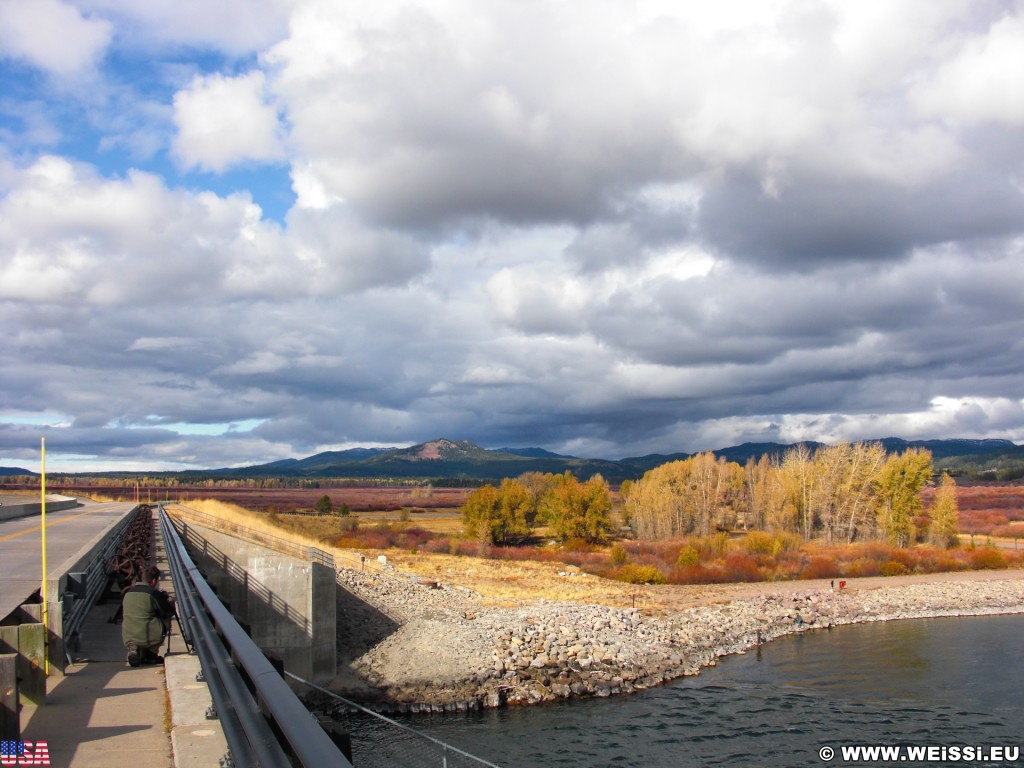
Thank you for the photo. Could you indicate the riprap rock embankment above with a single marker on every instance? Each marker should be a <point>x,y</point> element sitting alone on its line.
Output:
<point>447,650</point>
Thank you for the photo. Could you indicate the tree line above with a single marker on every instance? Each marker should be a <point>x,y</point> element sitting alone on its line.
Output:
<point>842,493</point>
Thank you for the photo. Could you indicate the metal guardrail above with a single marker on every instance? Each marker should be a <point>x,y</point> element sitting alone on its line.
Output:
<point>264,722</point>
<point>84,587</point>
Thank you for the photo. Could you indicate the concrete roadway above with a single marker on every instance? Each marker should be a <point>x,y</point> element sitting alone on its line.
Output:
<point>68,532</point>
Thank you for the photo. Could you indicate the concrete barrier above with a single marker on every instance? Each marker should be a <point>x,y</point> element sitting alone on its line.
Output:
<point>89,558</point>
<point>53,504</point>
<point>288,604</point>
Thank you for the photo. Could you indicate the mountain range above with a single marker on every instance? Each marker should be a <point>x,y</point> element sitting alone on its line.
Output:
<point>462,460</point>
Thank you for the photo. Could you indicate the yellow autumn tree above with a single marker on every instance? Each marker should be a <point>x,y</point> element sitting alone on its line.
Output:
<point>945,514</point>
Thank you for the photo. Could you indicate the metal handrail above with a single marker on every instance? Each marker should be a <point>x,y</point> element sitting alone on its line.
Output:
<point>249,718</point>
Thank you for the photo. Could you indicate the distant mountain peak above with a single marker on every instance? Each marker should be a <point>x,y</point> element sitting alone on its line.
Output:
<point>441,449</point>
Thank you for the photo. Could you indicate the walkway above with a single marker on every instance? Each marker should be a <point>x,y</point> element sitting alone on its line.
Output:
<point>104,712</point>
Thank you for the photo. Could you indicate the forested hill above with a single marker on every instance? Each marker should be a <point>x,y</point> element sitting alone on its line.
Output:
<point>457,459</point>
<point>10,471</point>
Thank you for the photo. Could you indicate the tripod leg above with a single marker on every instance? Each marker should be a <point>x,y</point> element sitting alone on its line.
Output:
<point>181,629</point>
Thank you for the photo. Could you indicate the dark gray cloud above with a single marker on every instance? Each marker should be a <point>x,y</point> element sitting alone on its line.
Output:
<point>645,228</point>
<point>815,222</point>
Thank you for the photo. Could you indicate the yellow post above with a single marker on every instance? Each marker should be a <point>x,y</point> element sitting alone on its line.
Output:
<point>46,616</point>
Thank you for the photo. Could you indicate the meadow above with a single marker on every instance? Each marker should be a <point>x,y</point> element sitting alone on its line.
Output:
<point>424,521</point>
<point>427,522</point>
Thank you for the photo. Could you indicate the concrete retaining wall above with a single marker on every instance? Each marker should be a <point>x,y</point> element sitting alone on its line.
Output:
<point>53,504</point>
<point>288,604</point>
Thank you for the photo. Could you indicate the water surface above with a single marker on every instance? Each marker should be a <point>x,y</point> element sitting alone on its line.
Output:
<point>952,681</point>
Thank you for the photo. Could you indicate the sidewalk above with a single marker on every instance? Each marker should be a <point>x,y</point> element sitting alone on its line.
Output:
<point>104,712</point>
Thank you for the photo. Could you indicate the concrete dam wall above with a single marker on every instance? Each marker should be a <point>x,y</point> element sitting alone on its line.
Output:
<point>289,604</point>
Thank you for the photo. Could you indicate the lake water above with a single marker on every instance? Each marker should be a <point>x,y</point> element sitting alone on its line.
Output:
<point>931,682</point>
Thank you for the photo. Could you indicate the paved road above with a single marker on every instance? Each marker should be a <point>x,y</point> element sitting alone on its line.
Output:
<point>68,532</point>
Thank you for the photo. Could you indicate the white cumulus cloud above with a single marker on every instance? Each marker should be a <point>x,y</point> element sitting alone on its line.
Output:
<point>52,35</point>
<point>224,121</point>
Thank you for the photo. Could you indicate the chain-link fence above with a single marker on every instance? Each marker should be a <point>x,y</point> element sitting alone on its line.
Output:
<point>379,741</point>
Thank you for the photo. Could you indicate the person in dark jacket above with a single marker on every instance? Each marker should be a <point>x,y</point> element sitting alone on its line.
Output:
<point>146,621</point>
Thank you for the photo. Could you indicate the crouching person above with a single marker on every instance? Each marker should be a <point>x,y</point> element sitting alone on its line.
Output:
<point>147,613</point>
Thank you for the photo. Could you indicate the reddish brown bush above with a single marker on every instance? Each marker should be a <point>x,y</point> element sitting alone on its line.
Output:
<point>742,567</point>
<point>696,574</point>
<point>987,558</point>
<point>820,568</point>
<point>862,567</point>
<point>894,568</point>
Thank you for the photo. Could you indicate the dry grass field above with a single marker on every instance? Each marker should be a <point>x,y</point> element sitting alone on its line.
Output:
<point>420,530</point>
<point>507,583</point>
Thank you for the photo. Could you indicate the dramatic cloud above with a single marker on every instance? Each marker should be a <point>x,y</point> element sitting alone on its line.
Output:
<point>236,232</point>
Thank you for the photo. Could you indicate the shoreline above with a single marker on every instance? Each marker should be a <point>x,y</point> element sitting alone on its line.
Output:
<point>416,645</point>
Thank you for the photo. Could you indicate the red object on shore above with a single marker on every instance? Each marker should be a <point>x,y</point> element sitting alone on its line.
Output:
<point>842,584</point>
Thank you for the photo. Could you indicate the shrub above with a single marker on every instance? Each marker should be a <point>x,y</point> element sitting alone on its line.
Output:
<point>948,563</point>
<point>862,567</point>
<point>347,542</point>
<point>894,568</point>
<point>618,555</point>
<point>820,568</point>
<point>905,557</point>
<point>577,545</point>
<point>786,542</point>
<point>741,567</point>
<point>759,543</point>
<point>709,547</point>
<point>696,574</point>
<point>877,550</point>
<point>688,556</point>
<point>639,574</point>
<point>348,524</point>
<point>987,558</point>
<point>438,546</point>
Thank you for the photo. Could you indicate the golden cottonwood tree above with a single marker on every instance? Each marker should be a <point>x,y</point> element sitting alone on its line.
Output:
<point>796,476</point>
<point>498,515</point>
<point>480,506</point>
<point>845,489</point>
<point>657,504</point>
<point>687,496</point>
<point>901,481</point>
<point>758,479</point>
<point>575,510</point>
<point>945,514</point>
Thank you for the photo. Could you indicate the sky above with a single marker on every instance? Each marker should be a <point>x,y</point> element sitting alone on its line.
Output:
<point>237,232</point>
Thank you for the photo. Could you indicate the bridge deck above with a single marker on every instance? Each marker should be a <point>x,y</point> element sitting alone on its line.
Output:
<point>104,712</point>
<point>68,533</point>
